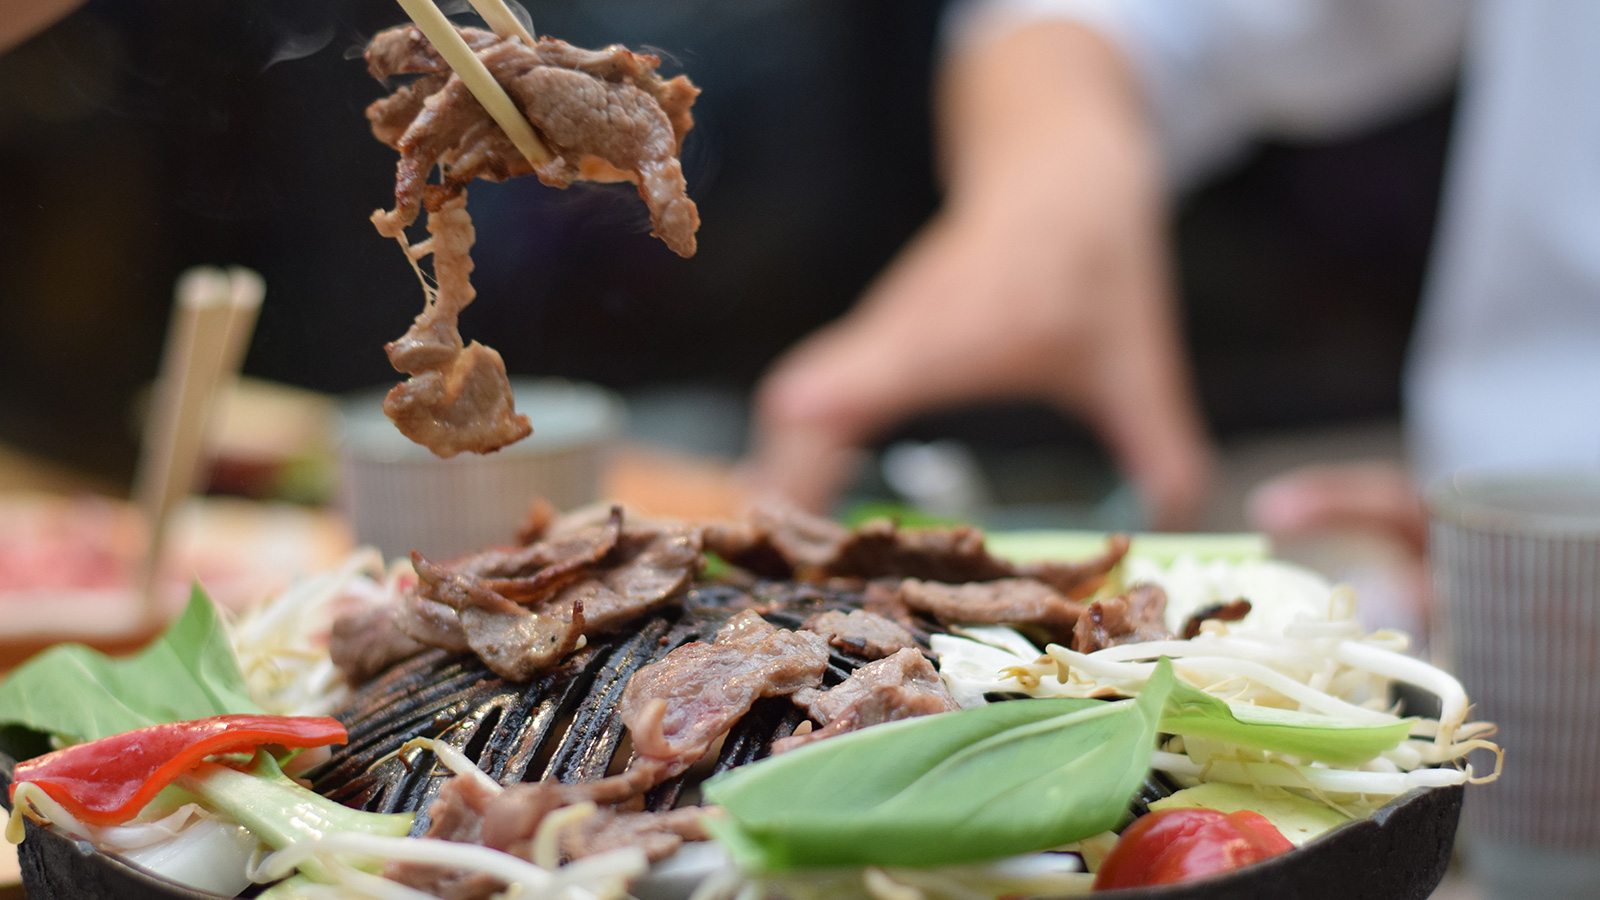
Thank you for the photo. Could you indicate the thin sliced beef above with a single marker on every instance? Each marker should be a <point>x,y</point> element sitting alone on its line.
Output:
<point>1231,611</point>
<point>648,569</point>
<point>1139,615</point>
<point>365,641</point>
<point>1077,580</point>
<point>538,569</point>
<point>508,820</point>
<point>1008,601</point>
<point>523,610</point>
<point>862,633</point>
<point>676,708</point>
<point>879,549</point>
<point>616,573</point>
<point>458,398</point>
<point>604,115</point>
<point>515,642</point>
<point>541,515</point>
<point>901,686</point>
<point>658,834</point>
<point>456,814</point>
<point>511,821</point>
<point>779,540</point>
<point>431,622</point>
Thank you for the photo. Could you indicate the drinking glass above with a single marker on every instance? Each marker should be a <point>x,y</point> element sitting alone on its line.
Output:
<point>1516,569</point>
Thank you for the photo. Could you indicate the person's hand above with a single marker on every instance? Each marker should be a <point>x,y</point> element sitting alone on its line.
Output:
<point>1374,500</point>
<point>1043,277</point>
<point>1376,497</point>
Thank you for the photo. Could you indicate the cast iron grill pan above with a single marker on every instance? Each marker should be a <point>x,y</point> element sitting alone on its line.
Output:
<point>565,725</point>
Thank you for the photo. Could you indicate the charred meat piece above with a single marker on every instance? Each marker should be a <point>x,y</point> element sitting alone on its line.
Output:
<point>1010,601</point>
<point>1231,611</point>
<point>604,114</point>
<point>864,634</point>
<point>1139,615</point>
<point>901,686</point>
<point>677,707</point>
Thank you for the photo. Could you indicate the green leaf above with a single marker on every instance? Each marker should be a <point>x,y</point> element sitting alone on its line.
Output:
<point>79,694</point>
<point>958,787</point>
<point>1193,712</point>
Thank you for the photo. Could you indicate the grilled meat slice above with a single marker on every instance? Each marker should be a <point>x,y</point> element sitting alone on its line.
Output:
<point>675,709</point>
<point>901,686</point>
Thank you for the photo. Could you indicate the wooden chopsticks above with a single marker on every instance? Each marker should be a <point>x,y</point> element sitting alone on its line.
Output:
<point>214,314</point>
<point>474,74</point>
<point>501,20</point>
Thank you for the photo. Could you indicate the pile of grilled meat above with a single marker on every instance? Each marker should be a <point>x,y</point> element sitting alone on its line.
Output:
<point>594,663</point>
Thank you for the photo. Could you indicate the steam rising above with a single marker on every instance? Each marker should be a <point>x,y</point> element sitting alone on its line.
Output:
<point>299,45</point>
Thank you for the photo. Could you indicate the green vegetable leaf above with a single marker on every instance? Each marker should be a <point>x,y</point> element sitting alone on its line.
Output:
<point>79,694</point>
<point>1191,711</point>
<point>958,787</point>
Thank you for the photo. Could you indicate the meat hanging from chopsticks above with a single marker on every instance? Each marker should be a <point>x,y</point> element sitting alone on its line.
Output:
<point>604,115</point>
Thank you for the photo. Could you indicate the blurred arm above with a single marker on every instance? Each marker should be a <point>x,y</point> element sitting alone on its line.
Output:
<point>1044,276</point>
<point>1217,73</point>
<point>22,19</point>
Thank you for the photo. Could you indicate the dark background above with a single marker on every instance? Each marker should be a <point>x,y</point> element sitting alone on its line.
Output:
<point>139,138</point>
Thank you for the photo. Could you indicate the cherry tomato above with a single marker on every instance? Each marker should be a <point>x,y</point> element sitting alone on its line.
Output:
<point>1171,845</point>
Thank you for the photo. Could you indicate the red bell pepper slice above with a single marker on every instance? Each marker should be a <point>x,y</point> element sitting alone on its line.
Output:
<point>1171,845</point>
<point>108,781</point>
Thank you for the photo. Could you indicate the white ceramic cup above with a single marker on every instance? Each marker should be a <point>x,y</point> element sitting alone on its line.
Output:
<point>1516,567</point>
<point>400,497</point>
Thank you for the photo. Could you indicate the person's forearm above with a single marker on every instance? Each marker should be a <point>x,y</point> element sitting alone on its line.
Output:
<point>22,19</point>
<point>1048,95</point>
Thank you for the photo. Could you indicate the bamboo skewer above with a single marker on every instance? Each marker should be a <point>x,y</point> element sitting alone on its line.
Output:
<point>475,75</point>
<point>213,316</point>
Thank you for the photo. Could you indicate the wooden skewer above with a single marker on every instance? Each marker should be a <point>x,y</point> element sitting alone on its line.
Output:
<point>501,20</point>
<point>475,75</point>
<point>213,317</point>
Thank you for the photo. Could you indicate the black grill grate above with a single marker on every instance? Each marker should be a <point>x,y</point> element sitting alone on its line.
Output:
<point>564,725</point>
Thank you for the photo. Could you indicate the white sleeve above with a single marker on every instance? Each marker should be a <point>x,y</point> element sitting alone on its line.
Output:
<point>1219,72</point>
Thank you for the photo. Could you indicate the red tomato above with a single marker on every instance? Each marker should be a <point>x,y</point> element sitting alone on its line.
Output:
<point>1171,845</point>
<point>108,781</point>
